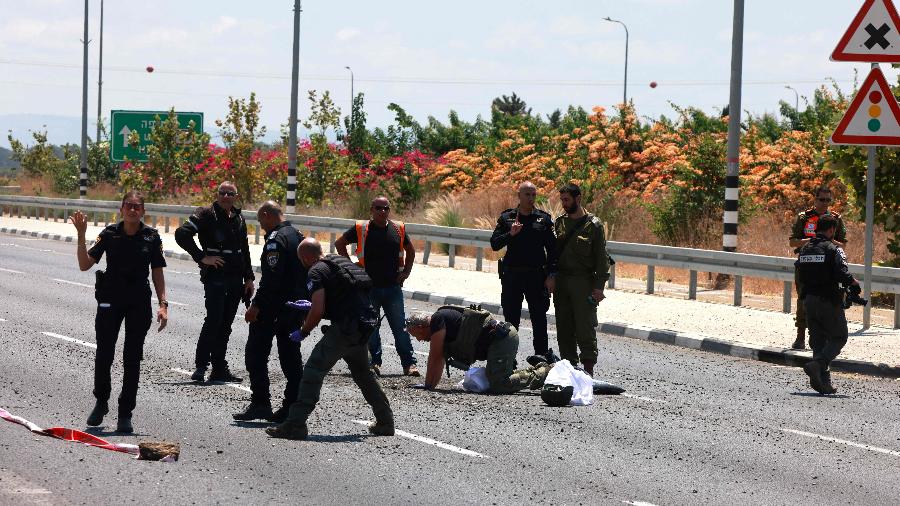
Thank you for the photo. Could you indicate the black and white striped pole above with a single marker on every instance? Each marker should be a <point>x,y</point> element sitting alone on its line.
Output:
<point>82,191</point>
<point>732,182</point>
<point>292,137</point>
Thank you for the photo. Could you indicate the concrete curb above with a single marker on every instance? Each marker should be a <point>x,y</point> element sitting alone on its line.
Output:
<point>780,356</point>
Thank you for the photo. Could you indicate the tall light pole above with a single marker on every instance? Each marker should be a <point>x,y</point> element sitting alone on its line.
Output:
<point>352,96</point>
<point>732,173</point>
<point>625,88</point>
<point>82,186</point>
<point>292,136</point>
<point>796,97</point>
<point>100,78</point>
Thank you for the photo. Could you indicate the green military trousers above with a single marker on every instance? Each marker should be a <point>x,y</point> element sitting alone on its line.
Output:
<point>501,364</point>
<point>342,340</point>
<point>576,318</point>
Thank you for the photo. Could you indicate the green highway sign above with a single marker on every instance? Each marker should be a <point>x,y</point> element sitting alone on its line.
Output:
<point>123,123</point>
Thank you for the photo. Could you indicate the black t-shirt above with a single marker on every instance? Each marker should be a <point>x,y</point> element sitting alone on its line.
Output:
<point>382,252</point>
<point>449,319</point>
<point>129,258</point>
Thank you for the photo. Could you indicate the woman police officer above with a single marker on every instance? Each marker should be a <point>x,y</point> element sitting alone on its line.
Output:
<point>123,293</point>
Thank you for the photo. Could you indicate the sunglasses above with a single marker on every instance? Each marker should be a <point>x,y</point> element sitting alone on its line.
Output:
<point>382,208</point>
<point>824,199</point>
<point>133,206</point>
<point>228,194</point>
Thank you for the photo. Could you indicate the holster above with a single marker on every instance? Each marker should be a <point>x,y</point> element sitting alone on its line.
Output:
<point>99,278</point>
<point>500,268</point>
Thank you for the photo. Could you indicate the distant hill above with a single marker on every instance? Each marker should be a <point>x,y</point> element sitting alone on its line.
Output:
<point>6,161</point>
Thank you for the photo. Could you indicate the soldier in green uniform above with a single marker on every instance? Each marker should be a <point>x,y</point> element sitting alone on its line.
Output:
<point>578,278</point>
<point>803,231</point>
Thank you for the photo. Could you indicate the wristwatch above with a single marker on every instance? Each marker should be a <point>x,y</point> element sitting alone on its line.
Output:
<point>164,303</point>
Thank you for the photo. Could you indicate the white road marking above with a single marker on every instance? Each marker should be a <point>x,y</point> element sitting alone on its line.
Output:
<point>2,319</point>
<point>11,270</point>
<point>24,491</point>
<point>433,442</point>
<point>182,272</point>
<point>172,302</point>
<point>844,442</point>
<point>417,352</point>
<point>232,385</point>
<point>72,283</point>
<point>638,503</point>
<point>70,339</point>
<point>642,398</point>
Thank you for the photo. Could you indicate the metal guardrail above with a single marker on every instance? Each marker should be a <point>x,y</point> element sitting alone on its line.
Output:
<point>10,189</point>
<point>739,265</point>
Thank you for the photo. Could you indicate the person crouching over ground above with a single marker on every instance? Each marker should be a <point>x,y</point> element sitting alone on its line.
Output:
<point>461,336</point>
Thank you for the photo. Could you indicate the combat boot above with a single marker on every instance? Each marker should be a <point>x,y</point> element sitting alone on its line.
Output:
<point>383,426</point>
<point>281,414</point>
<point>224,375</point>
<point>813,369</point>
<point>199,375</point>
<point>551,357</point>
<point>589,368</point>
<point>826,381</point>
<point>96,417</point>
<point>289,430</point>
<point>254,411</point>
<point>123,425</point>
<point>800,342</point>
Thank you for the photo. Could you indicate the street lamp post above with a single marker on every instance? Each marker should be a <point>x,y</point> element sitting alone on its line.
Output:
<point>351,100</point>
<point>82,182</point>
<point>625,88</point>
<point>292,128</point>
<point>100,78</point>
<point>796,98</point>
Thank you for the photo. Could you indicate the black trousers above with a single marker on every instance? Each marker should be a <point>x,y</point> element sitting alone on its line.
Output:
<point>259,346</point>
<point>530,285</point>
<point>222,294</point>
<point>138,316</point>
<point>827,327</point>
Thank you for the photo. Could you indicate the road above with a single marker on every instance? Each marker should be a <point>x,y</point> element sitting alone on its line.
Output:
<point>693,428</point>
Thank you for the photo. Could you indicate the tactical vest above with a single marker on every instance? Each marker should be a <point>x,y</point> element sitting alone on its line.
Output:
<point>350,290</point>
<point>815,267</point>
<point>464,349</point>
<point>362,231</point>
<point>352,276</point>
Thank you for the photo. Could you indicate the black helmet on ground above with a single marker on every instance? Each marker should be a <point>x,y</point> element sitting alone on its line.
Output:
<point>557,395</point>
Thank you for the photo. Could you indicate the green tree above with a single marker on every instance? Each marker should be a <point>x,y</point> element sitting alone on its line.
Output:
<point>37,159</point>
<point>327,170</point>
<point>510,105</point>
<point>240,131</point>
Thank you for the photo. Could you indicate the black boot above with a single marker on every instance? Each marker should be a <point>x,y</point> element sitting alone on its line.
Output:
<point>254,411</point>
<point>281,414</point>
<point>826,381</point>
<point>383,426</point>
<point>101,408</point>
<point>289,430</point>
<point>224,374</point>
<point>814,369</point>
<point>199,375</point>
<point>124,423</point>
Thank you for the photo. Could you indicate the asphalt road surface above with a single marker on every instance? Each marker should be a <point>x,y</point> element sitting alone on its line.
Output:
<point>693,427</point>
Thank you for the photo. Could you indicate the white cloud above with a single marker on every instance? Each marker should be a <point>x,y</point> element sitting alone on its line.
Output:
<point>345,34</point>
<point>225,23</point>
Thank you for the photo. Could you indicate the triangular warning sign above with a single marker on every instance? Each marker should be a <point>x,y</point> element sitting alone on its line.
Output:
<point>873,118</point>
<point>873,35</point>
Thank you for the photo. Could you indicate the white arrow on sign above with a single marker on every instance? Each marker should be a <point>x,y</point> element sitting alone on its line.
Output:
<point>125,132</point>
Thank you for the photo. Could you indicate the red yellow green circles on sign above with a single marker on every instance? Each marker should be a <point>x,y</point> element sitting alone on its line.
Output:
<point>873,118</point>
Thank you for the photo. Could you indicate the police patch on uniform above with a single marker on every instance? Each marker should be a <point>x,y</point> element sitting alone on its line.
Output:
<point>271,246</point>
<point>149,238</point>
<point>272,258</point>
<point>309,286</point>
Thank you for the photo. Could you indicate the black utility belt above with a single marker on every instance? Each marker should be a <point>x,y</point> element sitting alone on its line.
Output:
<point>224,251</point>
<point>522,270</point>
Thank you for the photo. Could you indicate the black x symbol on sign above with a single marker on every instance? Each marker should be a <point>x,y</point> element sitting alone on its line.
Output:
<point>876,36</point>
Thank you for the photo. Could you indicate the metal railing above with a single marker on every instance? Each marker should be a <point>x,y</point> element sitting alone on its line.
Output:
<point>739,265</point>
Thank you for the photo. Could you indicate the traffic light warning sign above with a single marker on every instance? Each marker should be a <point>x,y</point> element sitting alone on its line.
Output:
<point>873,118</point>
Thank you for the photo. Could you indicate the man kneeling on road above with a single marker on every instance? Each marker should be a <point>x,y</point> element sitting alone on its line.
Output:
<point>461,336</point>
<point>339,292</point>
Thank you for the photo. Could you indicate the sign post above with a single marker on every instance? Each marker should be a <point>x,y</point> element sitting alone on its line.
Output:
<point>123,123</point>
<point>873,118</point>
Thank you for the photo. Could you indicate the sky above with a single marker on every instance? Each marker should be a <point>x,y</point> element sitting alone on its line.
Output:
<point>429,57</point>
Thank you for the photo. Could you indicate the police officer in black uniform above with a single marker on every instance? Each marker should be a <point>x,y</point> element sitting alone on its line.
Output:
<point>123,293</point>
<point>822,267</point>
<point>226,274</point>
<point>283,279</point>
<point>527,234</point>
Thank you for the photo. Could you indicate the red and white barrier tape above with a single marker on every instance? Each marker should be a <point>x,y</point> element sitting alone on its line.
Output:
<point>77,436</point>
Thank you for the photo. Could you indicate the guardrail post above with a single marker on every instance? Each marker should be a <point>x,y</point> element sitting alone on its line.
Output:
<point>692,286</point>
<point>256,234</point>
<point>46,214</point>
<point>651,278</point>
<point>155,221</point>
<point>426,253</point>
<point>332,238</point>
<point>897,310</point>
<point>479,257</point>
<point>612,277</point>
<point>738,290</point>
<point>452,252</point>
<point>786,298</point>
<point>166,218</point>
<point>19,211</point>
<point>95,218</point>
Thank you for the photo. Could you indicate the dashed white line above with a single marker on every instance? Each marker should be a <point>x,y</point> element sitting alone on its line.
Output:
<point>2,319</point>
<point>13,271</point>
<point>232,385</point>
<point>642,398</point>
<point>172,302</point>
<point>72,282</point>
<point>433,442</point>
<point>638,503</point>
<point>70,339</point>
<point>843,442</point>
<point>417,352</point>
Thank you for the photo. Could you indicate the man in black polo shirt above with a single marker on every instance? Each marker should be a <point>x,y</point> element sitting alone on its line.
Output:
<point>385,251</point>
